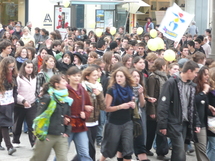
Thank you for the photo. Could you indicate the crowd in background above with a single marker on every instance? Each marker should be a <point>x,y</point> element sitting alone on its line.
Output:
<point>115,83</point>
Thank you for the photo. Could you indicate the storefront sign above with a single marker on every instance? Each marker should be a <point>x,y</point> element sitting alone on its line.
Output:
<point>47,20</point>
<point>62,19</point>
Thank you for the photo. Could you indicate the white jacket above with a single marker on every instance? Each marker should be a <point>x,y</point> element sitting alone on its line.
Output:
<point>26,90</point>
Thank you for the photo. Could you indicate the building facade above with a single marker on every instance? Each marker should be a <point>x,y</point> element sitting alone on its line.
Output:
<point>42,13</point>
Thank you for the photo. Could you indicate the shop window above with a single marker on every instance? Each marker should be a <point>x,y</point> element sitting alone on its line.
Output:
<point>80,17</point>
<point>12,10</point>
<point>104,18</point>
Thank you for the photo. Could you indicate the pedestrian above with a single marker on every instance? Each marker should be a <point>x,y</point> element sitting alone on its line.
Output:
<point>155,84</point>
<point>211,99</point>
<point>149,25</point>
<point>51,126</point>
<point>176,115</point>
<point>8,96</point>
<point>139,95</point>
<point>127,60</point>
<point>5,49</point>
<point>26,37</point>
<point>202,106</point>
<point>21,55</point>
<point>47,71</point>
<point>38,61</point>
<point>26,108</point>
<point>118,133</point>
<point>66,62</point>
<point>94,89</point>
<point>80,112</point>
<point>193,29</point>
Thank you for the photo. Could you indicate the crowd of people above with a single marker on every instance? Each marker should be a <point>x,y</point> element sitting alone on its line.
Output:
<point>109,91</point>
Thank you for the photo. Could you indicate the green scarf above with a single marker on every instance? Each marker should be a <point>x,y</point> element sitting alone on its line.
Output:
<point>41,122</point>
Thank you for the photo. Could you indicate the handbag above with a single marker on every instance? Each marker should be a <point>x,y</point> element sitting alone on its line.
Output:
<point>211,124</point>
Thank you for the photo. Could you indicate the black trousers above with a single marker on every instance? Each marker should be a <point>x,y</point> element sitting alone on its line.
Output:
<point>139,142</point>
<point>92,133</point>
<point>21,114</point>
<point>161,141</point>
<point>4,133</point>
<point>151,131</point>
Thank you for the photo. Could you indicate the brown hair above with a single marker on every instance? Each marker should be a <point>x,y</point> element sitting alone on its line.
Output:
<point>44,66</point>
<point>172,65</point>
<point>125,58</point>
<point>54,79</point>
<point>19,50</point>
<point>86,72</point>
<point>198,56</point>
<point>151,56</point>
<point>200,83</point>
<point>212,77</point>
<point>107,57</point>
<point>128,77</point>
<point>93,54</point>
<point>22,72</point>
<point>159,63</point>
<point>4,72</point>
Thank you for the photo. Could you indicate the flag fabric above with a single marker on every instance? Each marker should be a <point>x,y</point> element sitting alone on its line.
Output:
<point>175,23</point>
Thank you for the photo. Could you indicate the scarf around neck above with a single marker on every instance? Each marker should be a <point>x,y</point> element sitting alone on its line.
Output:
<point>123,94</point>
<point>41,122</point>
<point>20,59</point>
<point>97,85</point>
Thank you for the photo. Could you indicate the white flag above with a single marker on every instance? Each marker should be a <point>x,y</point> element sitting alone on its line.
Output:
<point>175,23</point>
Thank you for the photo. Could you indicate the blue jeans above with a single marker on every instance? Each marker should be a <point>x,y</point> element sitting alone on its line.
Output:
<point>82,145</point>
<point>102,120</point>
<point>211,148</point>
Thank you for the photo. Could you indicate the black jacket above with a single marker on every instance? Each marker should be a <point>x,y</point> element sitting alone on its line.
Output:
<point>211,101</point>
<point>56,126</point>
<point>63,67</point>
<point>169,110</point>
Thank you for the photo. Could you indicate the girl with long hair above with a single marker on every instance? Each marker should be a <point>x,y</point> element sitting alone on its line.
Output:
<point>139,119</point>
<point>47,71</point>
<point>52,125</point>
<point>211,99</point>
<point>94,89</point>
<point>8,96</point>
<point>26,108</point>
<point>119,103</point>
<point>201,101</point>
<point>80,112</point>
<point>155,83</point>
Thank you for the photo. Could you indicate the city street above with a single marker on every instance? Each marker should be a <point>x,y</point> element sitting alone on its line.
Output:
<point>24,153</point>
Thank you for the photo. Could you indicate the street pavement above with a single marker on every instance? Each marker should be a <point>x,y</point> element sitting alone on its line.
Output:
<point>25,152</point>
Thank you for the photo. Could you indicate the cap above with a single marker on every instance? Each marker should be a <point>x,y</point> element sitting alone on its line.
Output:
<point>182,61</point>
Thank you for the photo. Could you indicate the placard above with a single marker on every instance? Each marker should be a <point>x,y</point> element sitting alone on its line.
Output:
<point>62,19</point>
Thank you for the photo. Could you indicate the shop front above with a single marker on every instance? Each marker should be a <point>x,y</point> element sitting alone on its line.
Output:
<point>13,10</point>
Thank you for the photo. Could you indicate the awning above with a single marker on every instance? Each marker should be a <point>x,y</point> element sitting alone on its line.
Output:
<point>98,2</point>
<point>133,7</point>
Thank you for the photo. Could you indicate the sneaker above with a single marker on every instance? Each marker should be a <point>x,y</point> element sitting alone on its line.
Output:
<point>17,145</point>
<point>2,148</point>
<point>161,157</point>
<point>149,153</point>
<point>11,151</point>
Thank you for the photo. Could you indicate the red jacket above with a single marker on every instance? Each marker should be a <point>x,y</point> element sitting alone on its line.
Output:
<point>78,124</point>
